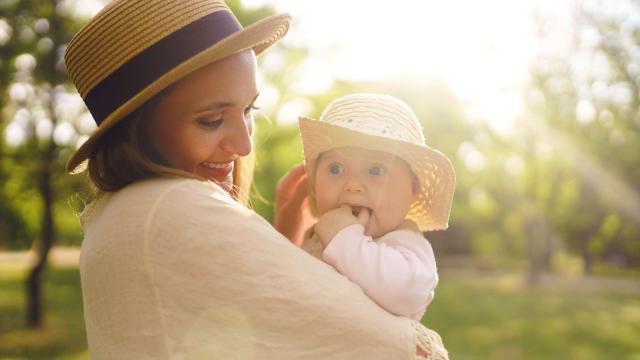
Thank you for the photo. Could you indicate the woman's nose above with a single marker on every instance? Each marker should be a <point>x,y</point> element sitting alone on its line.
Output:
<point>238,137</point>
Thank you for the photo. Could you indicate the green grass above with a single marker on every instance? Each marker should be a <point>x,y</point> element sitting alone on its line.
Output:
<point>490,316</point>
<point>62,336</point>
<point>500,317</point>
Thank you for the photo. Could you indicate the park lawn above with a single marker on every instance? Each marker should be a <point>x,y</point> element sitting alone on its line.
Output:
<point>479,317</point>
<point>497,316</point>
<point>62,336</point>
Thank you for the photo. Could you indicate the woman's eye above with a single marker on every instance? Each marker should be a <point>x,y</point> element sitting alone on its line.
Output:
<point>335,169</point>
<point>209,123</point>
<point>376,170</point>
<point>251,108</point>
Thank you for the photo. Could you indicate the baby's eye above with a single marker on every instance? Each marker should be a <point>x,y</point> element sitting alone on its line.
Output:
<point>376,170</point>
<point>210,123</point>
<point>335,169</point>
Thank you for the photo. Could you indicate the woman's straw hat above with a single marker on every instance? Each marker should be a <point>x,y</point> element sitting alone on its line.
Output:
<point>384,123</point>
<point>133,49</point>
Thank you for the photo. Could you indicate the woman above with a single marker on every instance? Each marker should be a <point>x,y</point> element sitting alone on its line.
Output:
<point>173,265</point>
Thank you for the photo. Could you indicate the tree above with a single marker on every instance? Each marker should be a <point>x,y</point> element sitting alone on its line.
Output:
<point>585,103</point>
<point>42,31</point>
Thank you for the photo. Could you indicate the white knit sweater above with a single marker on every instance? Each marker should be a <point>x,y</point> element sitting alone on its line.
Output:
<point>176,269</point>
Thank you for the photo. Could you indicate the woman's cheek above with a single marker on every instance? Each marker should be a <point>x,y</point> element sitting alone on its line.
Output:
<point>249,123</point>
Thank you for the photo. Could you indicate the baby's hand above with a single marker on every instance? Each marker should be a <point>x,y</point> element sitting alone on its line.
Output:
<point>331,222</point>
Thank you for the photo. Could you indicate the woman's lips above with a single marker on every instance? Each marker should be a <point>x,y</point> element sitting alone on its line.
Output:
<point>216,170</point>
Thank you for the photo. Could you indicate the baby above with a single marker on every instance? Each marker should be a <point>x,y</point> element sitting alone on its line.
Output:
<point>376,186</point>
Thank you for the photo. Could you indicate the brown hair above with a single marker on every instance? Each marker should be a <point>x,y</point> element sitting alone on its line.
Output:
<point>125,155</point>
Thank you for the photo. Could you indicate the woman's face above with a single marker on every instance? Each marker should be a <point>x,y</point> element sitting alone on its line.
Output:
<point>204,122</point>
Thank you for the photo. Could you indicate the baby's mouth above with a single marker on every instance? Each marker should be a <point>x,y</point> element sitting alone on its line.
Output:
<point>355,210</point>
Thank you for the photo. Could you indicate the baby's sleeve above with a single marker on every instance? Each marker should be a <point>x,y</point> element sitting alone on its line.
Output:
<point>398,271</point>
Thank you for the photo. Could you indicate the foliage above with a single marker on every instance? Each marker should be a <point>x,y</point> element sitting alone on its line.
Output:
<point>584,105</point>
<point>33,91</point>
<point>557,184</point>
<point>565,181</point>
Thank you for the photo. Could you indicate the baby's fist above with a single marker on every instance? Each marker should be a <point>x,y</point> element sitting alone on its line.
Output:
<point>331,222</point>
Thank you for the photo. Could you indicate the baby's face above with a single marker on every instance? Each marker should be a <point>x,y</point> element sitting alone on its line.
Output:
<point>366,180</point>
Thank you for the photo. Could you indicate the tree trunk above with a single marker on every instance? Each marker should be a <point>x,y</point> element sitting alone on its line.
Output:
<point>43,243</point>
<point>547,256</point>
<point>45,186</point>
<point>533,228</point>
<point>587,258</point>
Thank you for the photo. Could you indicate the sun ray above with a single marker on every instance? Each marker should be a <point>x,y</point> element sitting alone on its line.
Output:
<point>609,187</point>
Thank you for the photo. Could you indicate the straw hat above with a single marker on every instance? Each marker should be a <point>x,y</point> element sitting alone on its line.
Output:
<point>133,49</point>
<point>384,123</point>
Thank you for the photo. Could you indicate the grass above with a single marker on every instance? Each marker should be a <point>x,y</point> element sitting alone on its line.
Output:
<point>497,316</point>
<point>62,336</point>
<point>479,315</point>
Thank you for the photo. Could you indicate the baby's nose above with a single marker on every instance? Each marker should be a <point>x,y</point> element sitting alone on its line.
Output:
<point>353,185</point>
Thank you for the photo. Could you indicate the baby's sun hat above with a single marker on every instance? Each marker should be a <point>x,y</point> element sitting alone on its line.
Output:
<point>384,123</point>
<point>133,49</point>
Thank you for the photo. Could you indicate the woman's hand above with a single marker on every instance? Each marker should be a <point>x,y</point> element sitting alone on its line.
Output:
<point>292,214</point>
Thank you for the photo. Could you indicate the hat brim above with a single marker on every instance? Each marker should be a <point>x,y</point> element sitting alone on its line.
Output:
<point>258,37</point>
<point>434,170</point>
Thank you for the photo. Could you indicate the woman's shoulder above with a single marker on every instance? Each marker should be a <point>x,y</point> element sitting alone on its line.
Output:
<point>176,196</point>
<point>168,204</point>
<point>176,190</point>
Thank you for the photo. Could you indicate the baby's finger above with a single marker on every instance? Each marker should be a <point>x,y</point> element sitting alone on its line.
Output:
<point>300,191</point>
<point>344,208</point>
<point>363,217</point>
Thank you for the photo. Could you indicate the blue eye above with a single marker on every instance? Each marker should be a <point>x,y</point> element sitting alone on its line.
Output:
<point>335,169</point>
<point>376,171</point>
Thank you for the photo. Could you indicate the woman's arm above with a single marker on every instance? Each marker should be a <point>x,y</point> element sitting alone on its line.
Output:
<point>227,282</point>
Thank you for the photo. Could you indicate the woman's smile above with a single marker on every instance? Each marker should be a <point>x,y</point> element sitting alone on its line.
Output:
<point>217,171</point>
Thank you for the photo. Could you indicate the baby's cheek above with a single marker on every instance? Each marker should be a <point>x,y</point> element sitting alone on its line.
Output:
<point>387,224</point>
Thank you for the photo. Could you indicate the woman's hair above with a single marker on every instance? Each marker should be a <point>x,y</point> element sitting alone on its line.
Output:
<point>125,155</point>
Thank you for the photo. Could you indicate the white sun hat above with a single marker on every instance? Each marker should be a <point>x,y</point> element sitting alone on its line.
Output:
<point>384,123</point>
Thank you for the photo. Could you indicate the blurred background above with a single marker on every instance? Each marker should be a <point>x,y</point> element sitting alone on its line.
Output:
<point>536,102</point>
